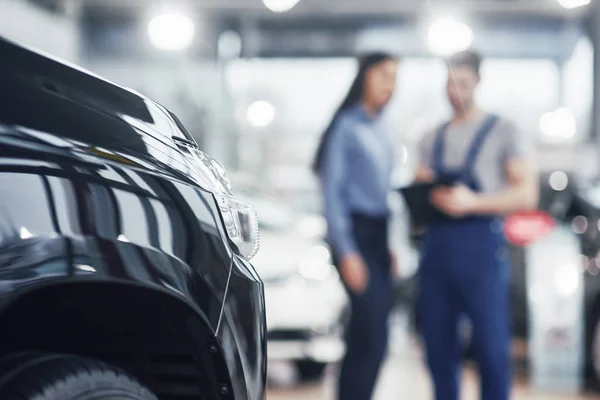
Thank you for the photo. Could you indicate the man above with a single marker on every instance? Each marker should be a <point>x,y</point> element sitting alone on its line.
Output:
<point>485,170</point>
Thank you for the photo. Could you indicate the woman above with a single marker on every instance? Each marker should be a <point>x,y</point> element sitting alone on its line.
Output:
<point>354,163</point>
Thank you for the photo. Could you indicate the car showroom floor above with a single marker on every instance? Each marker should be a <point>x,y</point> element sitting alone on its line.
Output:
<point>403,377</point>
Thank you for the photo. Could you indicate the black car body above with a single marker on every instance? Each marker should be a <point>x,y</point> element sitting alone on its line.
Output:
<point>111,248</point>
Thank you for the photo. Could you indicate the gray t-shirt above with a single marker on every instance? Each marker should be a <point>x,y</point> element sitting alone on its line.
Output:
<point>504,142</point>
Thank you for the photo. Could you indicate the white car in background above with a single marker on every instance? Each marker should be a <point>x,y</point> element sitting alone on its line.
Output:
<point>306,303</point>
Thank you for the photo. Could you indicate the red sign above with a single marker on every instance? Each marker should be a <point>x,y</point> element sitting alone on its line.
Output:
<point>526,227</point>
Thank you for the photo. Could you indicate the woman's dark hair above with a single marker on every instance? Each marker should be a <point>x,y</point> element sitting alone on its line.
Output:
<point>354,95</point>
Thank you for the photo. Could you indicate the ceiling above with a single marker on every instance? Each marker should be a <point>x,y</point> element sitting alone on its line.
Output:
<point>540,8</point>
<point>540,28</point>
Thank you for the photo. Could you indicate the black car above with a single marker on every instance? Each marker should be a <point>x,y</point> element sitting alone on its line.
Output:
<point>123,254</point>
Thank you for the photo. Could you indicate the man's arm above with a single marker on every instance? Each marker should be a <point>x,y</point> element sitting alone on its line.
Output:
<point>521,194</point>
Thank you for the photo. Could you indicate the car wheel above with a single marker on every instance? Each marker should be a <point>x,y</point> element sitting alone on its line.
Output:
<point>310,370</point>
<point>64,377</point>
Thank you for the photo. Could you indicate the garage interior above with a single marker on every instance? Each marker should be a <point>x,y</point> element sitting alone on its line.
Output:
<point>256,81</point>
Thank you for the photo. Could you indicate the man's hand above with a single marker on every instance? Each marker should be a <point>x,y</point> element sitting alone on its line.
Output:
<point>456,201</point>
<point>424,174</point>
<point>355,273</point>
<point>521,194</point>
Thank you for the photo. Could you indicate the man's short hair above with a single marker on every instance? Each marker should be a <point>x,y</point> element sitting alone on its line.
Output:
<point>468,58</point>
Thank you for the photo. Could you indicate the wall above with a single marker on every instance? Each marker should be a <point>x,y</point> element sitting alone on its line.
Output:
<point>305,93</point>
<point>29,25</point>
<point>578,84</point>
<point>192,89</point>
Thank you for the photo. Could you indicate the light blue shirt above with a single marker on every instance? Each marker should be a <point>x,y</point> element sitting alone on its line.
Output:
<point>355,174</point>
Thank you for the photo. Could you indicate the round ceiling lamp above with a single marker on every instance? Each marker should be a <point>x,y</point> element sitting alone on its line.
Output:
<point>447,36</point>
<point>260,114</point>
<point>280,6</point>
<point>229,45</point>
<point>171,31</point>
<point>569,4</point>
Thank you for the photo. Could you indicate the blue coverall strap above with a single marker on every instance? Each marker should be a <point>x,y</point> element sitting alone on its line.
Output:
<point>438,148</point>
<point>476,146</point>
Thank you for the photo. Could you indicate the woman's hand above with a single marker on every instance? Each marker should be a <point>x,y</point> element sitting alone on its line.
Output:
<point>355,273</point>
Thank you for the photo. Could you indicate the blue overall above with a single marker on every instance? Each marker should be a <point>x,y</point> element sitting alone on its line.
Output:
<point>464,271</point>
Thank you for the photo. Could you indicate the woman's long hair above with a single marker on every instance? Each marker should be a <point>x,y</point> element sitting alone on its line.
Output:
<point>354,95</point>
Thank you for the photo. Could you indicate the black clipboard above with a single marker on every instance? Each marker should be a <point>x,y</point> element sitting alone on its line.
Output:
<point>423,213</point>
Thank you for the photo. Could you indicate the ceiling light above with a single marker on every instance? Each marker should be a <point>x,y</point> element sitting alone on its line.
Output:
<point>580,224</point>
<point>260,114</point>
<point>229,45</point>
<point>573,3</point>
<point>447,36</point>
<point>280,6</point>
<point>171,31</point>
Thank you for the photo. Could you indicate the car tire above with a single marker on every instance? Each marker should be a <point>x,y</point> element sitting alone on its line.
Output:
<point>65,377</point>
<point>310,371</point>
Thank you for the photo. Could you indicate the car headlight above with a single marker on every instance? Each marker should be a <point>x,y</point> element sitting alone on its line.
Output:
<point>316,265</point>
<point>241,223</point>
<point>211,173</point>
<point>240,219</point>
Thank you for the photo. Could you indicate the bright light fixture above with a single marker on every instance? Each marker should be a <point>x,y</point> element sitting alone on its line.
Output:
<point>280,6</point>
<point>229,45</point>
<point>580,224</point>
<point>559,181</point>
<point>559,124</point>
<point>447,36</point>
<point>573,3</point>
<point>171,31</point>
<point>260,114</point>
